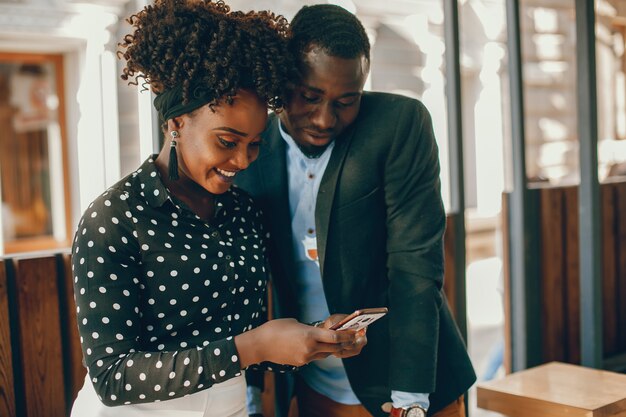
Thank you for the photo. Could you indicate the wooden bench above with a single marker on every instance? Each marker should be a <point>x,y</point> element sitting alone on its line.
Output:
<point>556,390</point>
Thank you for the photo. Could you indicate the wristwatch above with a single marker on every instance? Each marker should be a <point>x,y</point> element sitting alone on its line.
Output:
<point>414,410</point>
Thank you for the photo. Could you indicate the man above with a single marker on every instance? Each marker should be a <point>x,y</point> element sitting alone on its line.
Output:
<point>349,183</point>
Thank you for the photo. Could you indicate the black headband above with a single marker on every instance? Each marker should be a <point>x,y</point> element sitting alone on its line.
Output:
<point>170,104</point>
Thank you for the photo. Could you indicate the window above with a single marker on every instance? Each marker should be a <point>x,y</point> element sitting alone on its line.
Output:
<point>33,153</point>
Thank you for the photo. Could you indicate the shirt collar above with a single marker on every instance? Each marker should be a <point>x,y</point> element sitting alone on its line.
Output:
<point>152,186</point>
<point>156,194</point>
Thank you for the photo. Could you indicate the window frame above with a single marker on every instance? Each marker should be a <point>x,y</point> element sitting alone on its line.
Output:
<point>44,242</point>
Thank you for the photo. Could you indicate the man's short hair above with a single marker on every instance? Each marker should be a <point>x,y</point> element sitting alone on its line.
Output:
<point>334,29</point>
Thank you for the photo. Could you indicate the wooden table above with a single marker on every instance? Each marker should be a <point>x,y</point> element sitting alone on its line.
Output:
<point>554,390</point>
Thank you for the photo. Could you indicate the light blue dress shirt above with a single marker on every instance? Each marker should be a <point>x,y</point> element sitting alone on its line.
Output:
<point>326,376</point>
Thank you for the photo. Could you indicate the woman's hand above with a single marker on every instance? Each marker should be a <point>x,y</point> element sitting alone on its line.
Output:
<point>289,342</point>
<point>348,350</point>
<point>331,321</point>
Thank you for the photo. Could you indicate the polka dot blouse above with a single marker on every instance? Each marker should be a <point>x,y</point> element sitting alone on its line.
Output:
<point>160,293</point>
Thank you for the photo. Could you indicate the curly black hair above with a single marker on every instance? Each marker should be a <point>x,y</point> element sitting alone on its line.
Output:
<point>332,28</point>
<point>189,43</point>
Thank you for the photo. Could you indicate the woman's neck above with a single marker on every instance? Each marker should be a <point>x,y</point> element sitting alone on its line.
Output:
<point>198,199</point>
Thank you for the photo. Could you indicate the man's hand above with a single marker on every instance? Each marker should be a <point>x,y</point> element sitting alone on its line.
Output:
<point>348,349</point>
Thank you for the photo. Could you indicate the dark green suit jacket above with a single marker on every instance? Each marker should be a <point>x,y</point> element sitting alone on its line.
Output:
<point>380,223</point>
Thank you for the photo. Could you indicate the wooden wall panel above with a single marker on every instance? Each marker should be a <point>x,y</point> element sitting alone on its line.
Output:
<point>553,274</point>
<point>7,393</point>
<point>449,281</point>
<point>506,270</point>
<point>609,269</point>
<point>571,284</point>
<point>40,337</point>
<point>74,370</point>
<point>621,265</point>
<point>559,254</point>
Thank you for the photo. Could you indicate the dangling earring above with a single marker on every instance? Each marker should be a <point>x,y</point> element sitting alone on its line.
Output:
<point>172,168</point>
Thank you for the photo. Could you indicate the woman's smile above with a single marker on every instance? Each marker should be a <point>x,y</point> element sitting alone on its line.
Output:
<point>227,176</point>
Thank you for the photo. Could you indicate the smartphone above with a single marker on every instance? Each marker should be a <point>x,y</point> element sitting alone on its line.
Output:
<point>360,319</point>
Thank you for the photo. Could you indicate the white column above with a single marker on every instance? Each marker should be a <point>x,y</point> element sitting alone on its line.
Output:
<point>97,133</point>
<point>148,118</point>
<point>110,122</point>
<point>148,124</point>
<point>90,136</point>
<point>57,183</point>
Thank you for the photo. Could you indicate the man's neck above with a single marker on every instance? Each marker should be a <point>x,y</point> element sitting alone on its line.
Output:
<point>311,152</point>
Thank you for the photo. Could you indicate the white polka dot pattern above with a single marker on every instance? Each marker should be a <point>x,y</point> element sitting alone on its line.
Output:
<point>160,293</point>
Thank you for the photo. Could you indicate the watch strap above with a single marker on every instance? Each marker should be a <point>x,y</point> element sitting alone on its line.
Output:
<point>397,412</point>
<point>403,412</point>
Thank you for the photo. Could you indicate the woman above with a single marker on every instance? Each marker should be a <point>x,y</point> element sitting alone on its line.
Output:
<point>169,263</point>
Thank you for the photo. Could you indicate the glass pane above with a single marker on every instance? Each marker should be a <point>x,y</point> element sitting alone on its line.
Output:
<point>549,71</point>
<point>611,88</point>
<point>408,58</point>
<point>31,170</point>
<point>485,103</point>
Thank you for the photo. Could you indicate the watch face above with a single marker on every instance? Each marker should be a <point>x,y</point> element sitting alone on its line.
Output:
<point>415,412</point>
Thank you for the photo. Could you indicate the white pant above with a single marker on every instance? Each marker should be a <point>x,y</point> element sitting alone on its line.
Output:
<point>227,399</point>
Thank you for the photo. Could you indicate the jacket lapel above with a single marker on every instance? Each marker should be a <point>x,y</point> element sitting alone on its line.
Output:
<point>326,193</point>
<point>273,171</point>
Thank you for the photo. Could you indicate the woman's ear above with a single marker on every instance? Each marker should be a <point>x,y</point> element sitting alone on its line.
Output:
<point>174,123</point>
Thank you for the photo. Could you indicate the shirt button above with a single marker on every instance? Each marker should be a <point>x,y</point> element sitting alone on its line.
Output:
<point>215,234</point>
<point>310,231</point>
<point>228,257</point>
<point>311,176</point>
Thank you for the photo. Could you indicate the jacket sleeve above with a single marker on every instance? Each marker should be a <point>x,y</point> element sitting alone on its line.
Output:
<point>415,226</point>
